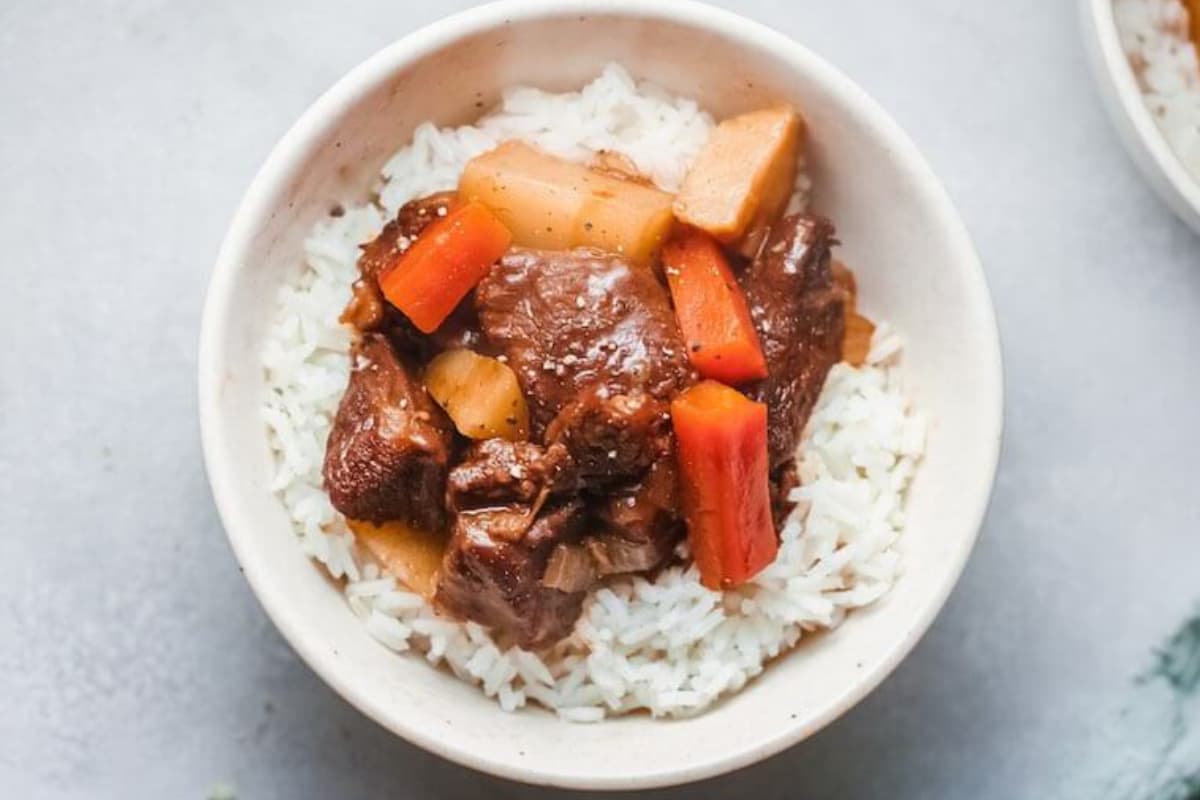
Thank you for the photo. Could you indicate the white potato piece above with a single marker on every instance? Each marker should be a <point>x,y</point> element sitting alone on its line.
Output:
<point>744,175</point>
<point>480,394</point>
<point>553,204</point>
<point>411,556</point>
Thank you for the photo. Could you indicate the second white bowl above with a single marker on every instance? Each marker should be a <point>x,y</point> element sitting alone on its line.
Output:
<point>1127,108</point>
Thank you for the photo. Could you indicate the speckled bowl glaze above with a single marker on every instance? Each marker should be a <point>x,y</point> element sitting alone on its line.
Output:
<point>1133,121</point>
<point>916,266</point>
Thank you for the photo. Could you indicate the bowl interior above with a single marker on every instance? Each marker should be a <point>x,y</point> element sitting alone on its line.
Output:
<point>916,269</point>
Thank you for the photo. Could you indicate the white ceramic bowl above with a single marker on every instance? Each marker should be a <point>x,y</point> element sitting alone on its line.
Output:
<point>916,268</point>
<point>1141,137</point>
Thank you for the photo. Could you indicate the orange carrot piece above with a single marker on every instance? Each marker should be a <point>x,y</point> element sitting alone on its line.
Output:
<point>721,445</point>
<point>711,310</point>
<point>453,254</point>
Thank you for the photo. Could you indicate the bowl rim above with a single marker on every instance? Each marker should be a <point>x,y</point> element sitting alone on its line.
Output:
<point>1126,106</point>
<point>310,128</point>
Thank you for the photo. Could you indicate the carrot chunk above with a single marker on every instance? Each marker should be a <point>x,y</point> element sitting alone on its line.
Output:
<point>435,273</point>
<point>712,311</point>
<point>721,438</point>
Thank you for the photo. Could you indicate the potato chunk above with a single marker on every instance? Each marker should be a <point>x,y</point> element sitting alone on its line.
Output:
<point>553,204</point>
<point>480,394</point>
<point>411,556</point>
<point>744,175</point>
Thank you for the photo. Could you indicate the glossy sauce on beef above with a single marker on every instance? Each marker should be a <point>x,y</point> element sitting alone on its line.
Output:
<point>579,320</point>
<point>496,472</point>
<point>799,315</point>
<point>390,445</point>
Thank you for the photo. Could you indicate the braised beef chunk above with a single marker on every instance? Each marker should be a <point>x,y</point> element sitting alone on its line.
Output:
<point>612,436</point>
<point>799,317</point>
<point>389,447</point>
<point>396,237</point>
<point>640,525</point>
<point>513,558</point>
<point>499,472</point>
<point>369,311</point>
<point>495,568</point>
<point>570,321</point>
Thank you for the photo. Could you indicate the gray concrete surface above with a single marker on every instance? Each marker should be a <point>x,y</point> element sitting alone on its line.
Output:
<point>134,661</point>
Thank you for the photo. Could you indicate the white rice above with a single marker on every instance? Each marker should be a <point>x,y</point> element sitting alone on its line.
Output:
<point>671,647</point>
<point>1154,35</point>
